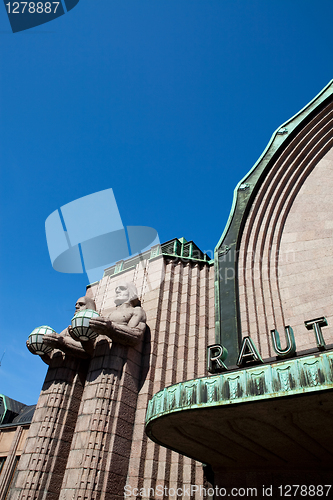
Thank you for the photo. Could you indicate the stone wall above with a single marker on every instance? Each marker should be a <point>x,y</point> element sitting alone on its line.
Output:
<point>101,449</point>
<point>286,249</point>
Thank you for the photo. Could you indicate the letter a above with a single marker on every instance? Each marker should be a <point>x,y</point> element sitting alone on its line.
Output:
<point>248,352</point>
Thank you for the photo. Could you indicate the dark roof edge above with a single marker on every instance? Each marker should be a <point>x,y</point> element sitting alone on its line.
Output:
<point>14,425</point>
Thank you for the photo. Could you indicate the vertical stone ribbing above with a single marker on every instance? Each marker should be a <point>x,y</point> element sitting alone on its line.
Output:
<point>210,330</point>
<point>192,324</point>
<point>185,323</point>
<point>203,334</point>
<point>261,304</point>
<point>163,374</point>
<point>181,319</point>
<point>172,343</point>
<point>197,282</point>
<point>142,459</point>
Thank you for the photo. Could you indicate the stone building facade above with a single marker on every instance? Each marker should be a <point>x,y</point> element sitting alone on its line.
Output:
<point>235,370</point>
<point>15,418</point>
<point>87,438</point>
<point>265,417</point>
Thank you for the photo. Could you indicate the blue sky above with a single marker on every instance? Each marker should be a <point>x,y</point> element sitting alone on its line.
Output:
<point>168,102</point>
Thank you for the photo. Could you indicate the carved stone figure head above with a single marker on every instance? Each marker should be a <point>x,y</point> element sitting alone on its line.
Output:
<point>126,293</point>
<point>85,303</point>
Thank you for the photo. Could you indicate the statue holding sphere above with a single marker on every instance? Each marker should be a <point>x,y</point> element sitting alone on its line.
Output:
<point>94,376</point>
<point>125,324</point>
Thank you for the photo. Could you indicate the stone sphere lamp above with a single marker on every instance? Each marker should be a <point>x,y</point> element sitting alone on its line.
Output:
<point>36,341</point>
<point>80,325</point>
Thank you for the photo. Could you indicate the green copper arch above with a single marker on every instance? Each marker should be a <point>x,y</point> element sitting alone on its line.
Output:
<point>227,317</point>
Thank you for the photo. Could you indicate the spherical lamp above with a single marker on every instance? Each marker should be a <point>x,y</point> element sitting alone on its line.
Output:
<point>36,341</point>
<point>80,325</point>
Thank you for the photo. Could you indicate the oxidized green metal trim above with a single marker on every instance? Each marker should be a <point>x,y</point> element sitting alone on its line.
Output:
<point>278,138</point>
<point>3,397</point>
<point>281,379</point>
<point>227,324</point>
<point>179,246</point>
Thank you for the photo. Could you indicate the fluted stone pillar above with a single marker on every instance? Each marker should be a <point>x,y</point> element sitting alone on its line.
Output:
<point>42,465</point>
<point>99,457</point>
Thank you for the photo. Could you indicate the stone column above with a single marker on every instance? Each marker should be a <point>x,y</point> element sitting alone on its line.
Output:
<point>98,461</point>
<point>42,465</point>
